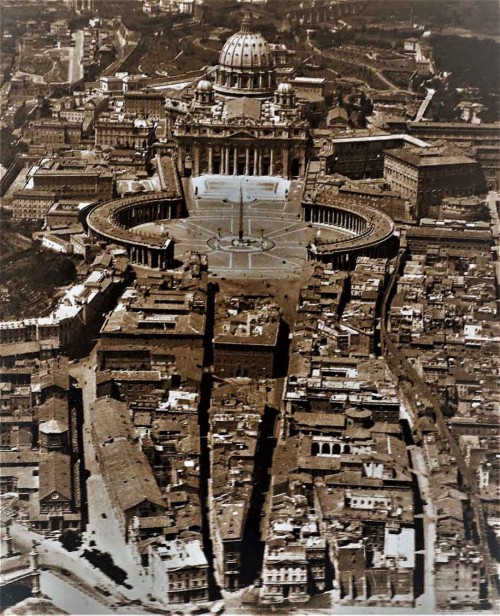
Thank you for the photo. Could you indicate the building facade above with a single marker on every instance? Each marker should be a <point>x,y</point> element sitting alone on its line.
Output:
<point>425,176</point>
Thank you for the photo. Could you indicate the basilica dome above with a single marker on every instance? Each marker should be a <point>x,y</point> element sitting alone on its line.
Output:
<point>246,66</point>
<point>285,88</point>
<point>246,49</point>
<point>204,86</point>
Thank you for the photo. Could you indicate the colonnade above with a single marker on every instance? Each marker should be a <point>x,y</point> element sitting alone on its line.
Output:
<point>328,12</point>
<point>161,258</point>
<point>115,220</point>
<point>241,159</point>
<point>329,448</point>
<point>150,211</point>
<point>337,218</point>
<point>372,234</point>
<point>245,81</point>
<point>346,260</point>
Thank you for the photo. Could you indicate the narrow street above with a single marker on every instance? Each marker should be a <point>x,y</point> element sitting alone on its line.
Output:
<point>103,528</point>
<point>424,106</point>
<point>69,597</point>
<point>426,602</point>
<point>75,68</point>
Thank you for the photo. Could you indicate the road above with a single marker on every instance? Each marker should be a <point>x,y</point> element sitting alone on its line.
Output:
<point>334,55</point>
<point>69,597</point>
<point>103,527</point>
<point>422,110</point>
<point>427,600</point>
<point>492,199</point>
<point>75,68</point>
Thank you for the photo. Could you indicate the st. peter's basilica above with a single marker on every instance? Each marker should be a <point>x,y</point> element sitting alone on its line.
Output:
<point>243,123</point>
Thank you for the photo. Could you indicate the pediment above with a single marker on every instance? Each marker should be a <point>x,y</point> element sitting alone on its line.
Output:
<point>242,134</point>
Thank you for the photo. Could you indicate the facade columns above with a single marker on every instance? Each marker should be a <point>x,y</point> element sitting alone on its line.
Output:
<point>284,158</point>
<point>197,161</point>
<point>226,160</point>
<point>260,162</point>
<point>210,159</point>
<point>247,161</point>
<point>255,169</point>
<point>181,162</point>
<point>271,161</point>
<point>235,161</point>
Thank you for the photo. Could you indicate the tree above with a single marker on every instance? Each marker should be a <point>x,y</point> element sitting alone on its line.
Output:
<point>70,540</point>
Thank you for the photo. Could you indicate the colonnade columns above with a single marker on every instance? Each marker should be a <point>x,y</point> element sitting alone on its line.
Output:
<point>210,159</point>
<point>197,161</point>
<point>180,163</point>
<point>284,158</point>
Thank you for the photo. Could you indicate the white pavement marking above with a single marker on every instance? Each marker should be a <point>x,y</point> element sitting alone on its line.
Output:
<point>209,232</point>
<point>277,231</point>
<point>285,233</point>
<point>282,259</point>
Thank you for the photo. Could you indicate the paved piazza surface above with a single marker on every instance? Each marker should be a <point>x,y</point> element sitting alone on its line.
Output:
<point>274,242</point>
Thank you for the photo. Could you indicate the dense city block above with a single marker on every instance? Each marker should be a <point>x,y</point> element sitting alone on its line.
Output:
<point>249,284</point>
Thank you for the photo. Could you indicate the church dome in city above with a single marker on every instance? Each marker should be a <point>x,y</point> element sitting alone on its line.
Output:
<point>285,87</point>
<point>204,86</point>
<point>285,95</point>
<point>204,93</point>
<point>246,49</point>
<point>246,65</point>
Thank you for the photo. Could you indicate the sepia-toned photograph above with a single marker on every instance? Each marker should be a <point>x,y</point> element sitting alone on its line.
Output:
<point>249,307</point>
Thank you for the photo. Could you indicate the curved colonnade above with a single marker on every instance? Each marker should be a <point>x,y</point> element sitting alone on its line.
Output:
<point>115,221</point>
<point>371,232</point>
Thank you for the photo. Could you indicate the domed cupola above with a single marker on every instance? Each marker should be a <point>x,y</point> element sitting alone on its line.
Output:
<point>246,66</point>
<point>204,93</point>
<point>285,95</point>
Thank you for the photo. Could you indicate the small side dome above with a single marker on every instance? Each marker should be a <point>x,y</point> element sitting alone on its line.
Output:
<point>285,87</point>
<point>204,86</point>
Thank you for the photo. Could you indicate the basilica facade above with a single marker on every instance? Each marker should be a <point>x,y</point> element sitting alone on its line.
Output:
<point>243,123</point>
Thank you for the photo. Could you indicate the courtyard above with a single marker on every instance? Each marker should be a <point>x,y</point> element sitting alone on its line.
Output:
<point>248,227</point>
